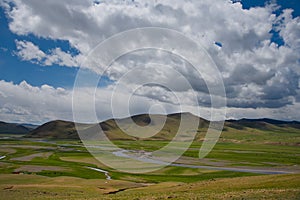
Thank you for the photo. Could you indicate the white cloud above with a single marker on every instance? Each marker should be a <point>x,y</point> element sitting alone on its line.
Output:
<point>29,51</point>
<point>24,102</point>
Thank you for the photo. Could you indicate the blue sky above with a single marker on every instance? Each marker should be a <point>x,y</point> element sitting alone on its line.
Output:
<point>50,51</point>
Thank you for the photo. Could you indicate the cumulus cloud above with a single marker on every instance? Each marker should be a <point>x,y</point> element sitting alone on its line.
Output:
<point>30,52</point>
<point>257,73</point>
<point>26,103</point>
<point>85,24</point>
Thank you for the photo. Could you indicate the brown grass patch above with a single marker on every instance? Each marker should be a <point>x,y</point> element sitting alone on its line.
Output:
<point>32,156</point>
<point>37,168</point>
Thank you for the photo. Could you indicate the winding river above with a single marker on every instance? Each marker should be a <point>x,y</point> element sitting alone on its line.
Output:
<point>147,159</point>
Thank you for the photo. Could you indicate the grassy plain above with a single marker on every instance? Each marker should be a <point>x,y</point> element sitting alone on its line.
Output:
<point>63,172</point>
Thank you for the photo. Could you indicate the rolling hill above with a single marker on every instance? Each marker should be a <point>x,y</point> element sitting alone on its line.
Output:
<point>243,129</point>
<point>66,130</point>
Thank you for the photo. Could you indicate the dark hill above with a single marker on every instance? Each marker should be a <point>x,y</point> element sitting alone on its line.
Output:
<point>66,130</point>
<point>55,129</point>
<point>262,124</point>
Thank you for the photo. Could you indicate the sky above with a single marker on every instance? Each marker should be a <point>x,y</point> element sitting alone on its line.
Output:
<point>255,45</point>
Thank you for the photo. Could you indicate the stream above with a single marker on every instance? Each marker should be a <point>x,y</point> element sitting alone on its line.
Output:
<point>102,171</point>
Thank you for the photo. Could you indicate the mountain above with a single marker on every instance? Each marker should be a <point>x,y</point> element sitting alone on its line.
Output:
<point>66,130</point>
<point>13,128</point>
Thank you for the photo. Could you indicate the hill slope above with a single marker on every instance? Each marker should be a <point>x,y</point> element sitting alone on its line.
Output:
<point>58,129</point>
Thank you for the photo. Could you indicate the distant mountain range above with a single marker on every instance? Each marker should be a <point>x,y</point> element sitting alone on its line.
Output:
<point>66,130</point>
<point>14,128</point>
<point>264,123</point>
